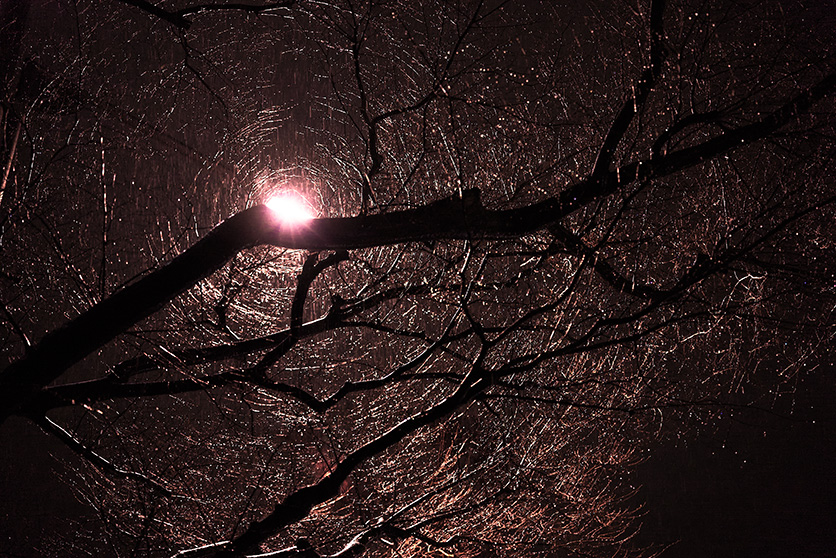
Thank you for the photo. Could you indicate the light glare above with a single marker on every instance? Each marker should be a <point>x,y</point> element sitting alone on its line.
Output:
<point>290,208</point>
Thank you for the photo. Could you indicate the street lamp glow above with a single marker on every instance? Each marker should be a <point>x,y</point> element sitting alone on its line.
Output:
<point>290,208</point>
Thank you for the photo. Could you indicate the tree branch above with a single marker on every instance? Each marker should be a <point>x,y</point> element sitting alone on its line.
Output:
<point>238,6</point>
<point>310,270</point>
<point>178,18</point>
<point>641,90</point>
<point>463,218</point>
<point>94,458</point>
<point>170,17</point>
<point>297,505</point>
<point>575,245</point>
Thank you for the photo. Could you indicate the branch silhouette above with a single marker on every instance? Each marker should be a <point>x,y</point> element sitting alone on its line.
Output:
<point>462,217</point>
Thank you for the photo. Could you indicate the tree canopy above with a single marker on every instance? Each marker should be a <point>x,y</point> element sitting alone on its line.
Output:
<point>545,235</point>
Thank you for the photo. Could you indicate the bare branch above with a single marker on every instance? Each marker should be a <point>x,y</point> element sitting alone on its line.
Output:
<point>452,218</point>
<point>48,425</point>
<point>633,105</point>
<point>234,6</point>
<point>298,504</point>
<point>172,18</point>
<point>178,18</point>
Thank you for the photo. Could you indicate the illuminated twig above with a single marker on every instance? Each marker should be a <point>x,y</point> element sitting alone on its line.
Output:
<point>94,458</point>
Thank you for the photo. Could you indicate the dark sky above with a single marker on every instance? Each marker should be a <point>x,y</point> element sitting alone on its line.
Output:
<point>762,485</point>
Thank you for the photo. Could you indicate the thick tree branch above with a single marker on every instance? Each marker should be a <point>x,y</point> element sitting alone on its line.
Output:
<point>62,348</point>
<point>450,218</point>
<point>310,270</point>
<point>575,245</point>
<point>170,17</point>
<point>641,91</point>
<point>298,504</point>
<point>234,6</point>
<point>178,18</point>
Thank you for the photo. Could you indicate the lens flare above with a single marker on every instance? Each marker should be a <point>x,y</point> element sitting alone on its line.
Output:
<point>290,208</point>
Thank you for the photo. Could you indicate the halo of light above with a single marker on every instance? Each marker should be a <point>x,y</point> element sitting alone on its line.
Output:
<point>290,208</point>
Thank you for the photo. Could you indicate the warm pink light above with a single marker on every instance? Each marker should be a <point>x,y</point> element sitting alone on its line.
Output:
<point>290,208</point>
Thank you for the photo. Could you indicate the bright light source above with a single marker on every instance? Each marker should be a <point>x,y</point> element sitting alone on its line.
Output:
<point>290,208</point>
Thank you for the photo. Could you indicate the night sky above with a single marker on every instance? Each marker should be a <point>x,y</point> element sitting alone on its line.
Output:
<point>763,485</point>
<point>136,135</point>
